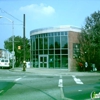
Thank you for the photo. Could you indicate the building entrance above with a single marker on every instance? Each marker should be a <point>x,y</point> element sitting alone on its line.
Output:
<point>43,61</point>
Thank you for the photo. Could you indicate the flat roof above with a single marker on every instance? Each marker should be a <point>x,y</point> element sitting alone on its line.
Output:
<point>55,29</point>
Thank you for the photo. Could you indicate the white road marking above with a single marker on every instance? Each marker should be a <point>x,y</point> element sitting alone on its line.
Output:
<point>17,79</point>
<point>79,90</point>
<point>60,82</point>
<point>77,80</point>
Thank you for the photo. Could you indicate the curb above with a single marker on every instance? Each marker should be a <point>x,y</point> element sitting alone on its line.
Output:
<point>55,72</point>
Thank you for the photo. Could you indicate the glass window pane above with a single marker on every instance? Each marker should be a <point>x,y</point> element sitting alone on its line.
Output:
<point>40,43</point>
<point>62,33</point>
<point>37,36</point>
<point>43,35</point>
<point>41,59</point>
<point>51,51</point>
<point>57,42</point>
<point>51,61</point>
<point>51,34</point>
<point>36,61</point>
<point>37,52</point>
<point>57,51</point>
<point>45,43</point>
<point>57,61</point>
<point>45,65</point>
<point>47,34</point>
<point>51,42</point>
<point>33,52</point>
<point>64,62</point>
<point>58,33</point>
<point>34,57</point>
<point>33,42</point>
<point>64,42</point>
<point>37,43</point>
<point>41,64</point>
<point>45,51</point>
<point>64,51</point>
<point>33,45</point>
<point>65,33</point>
<point>45,59</point>
<point>40,51</point>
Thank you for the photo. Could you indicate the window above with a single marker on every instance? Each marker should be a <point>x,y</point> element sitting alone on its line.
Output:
<point>51,51</point>
<point>64,42</point>
<point>57,42</point>
<point>45,43</point>
<point>45,51</point>
<point>64,62</point>
<point>57,61</point>
<point>57,51</point>
<point>65,33</point>
<point>37,43</point>
<point>40,43</point>
<point>51,42</point>
<point>64,51</point>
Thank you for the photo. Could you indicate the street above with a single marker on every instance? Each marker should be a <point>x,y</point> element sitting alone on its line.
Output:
<point>80,87</point>
<point>27,86</point>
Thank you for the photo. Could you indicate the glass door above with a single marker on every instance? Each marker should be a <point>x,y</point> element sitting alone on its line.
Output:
<point>43,61</point>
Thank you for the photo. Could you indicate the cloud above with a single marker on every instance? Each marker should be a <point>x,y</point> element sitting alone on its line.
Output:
<point>38,9</point>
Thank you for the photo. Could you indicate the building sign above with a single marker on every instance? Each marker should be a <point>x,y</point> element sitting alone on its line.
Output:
<point>76,50</point>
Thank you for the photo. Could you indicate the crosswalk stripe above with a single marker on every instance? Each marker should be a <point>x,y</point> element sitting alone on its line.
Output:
<point>77,80</point>
<point>18,79</point>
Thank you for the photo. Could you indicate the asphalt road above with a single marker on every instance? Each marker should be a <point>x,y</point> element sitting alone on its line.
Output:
<point>27,86</point>
<point>80,87</point>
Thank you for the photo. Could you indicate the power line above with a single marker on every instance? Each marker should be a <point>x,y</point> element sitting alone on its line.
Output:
<point>9,24</point>
<point>3,11</point>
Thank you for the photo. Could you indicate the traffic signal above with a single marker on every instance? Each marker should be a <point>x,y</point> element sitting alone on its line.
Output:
<point>19,47</point>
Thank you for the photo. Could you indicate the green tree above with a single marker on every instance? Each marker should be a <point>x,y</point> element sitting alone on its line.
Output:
<point>19,53</point>
<point>89,39</point>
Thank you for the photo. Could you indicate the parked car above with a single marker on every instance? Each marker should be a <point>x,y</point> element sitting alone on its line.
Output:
<point>5,63</point>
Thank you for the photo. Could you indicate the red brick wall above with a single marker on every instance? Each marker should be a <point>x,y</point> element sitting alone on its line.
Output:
<point>72,38</point>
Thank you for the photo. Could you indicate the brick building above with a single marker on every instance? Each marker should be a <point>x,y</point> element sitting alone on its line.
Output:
<point>54,47</point>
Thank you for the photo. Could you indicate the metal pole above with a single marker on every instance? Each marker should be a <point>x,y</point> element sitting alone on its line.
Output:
<point>13,44</point>
<point>24,62</point>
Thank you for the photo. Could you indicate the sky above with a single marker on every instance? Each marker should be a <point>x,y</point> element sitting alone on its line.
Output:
<point>42,14</point>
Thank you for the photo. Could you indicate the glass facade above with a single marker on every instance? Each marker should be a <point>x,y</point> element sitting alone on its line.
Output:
<point>50,50</point>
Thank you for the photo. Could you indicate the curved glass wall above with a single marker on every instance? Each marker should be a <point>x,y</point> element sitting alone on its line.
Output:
<point>50,50</point>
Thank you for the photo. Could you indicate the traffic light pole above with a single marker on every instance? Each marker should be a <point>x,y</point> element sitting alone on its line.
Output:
<point>24,62</point>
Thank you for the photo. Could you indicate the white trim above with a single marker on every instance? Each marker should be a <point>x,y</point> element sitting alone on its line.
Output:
<point>55,29</point>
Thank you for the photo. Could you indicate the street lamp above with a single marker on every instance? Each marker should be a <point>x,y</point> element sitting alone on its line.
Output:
<point>12,38</point>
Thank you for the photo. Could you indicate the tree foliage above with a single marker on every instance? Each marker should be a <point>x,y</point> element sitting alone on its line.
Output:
<point>89,39</point>
<point>19,53</point>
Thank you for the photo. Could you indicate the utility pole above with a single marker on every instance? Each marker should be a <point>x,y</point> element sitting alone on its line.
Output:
<point>24,61</point>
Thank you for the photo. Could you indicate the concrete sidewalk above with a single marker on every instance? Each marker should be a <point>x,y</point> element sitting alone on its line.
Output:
<point>54,72</point>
